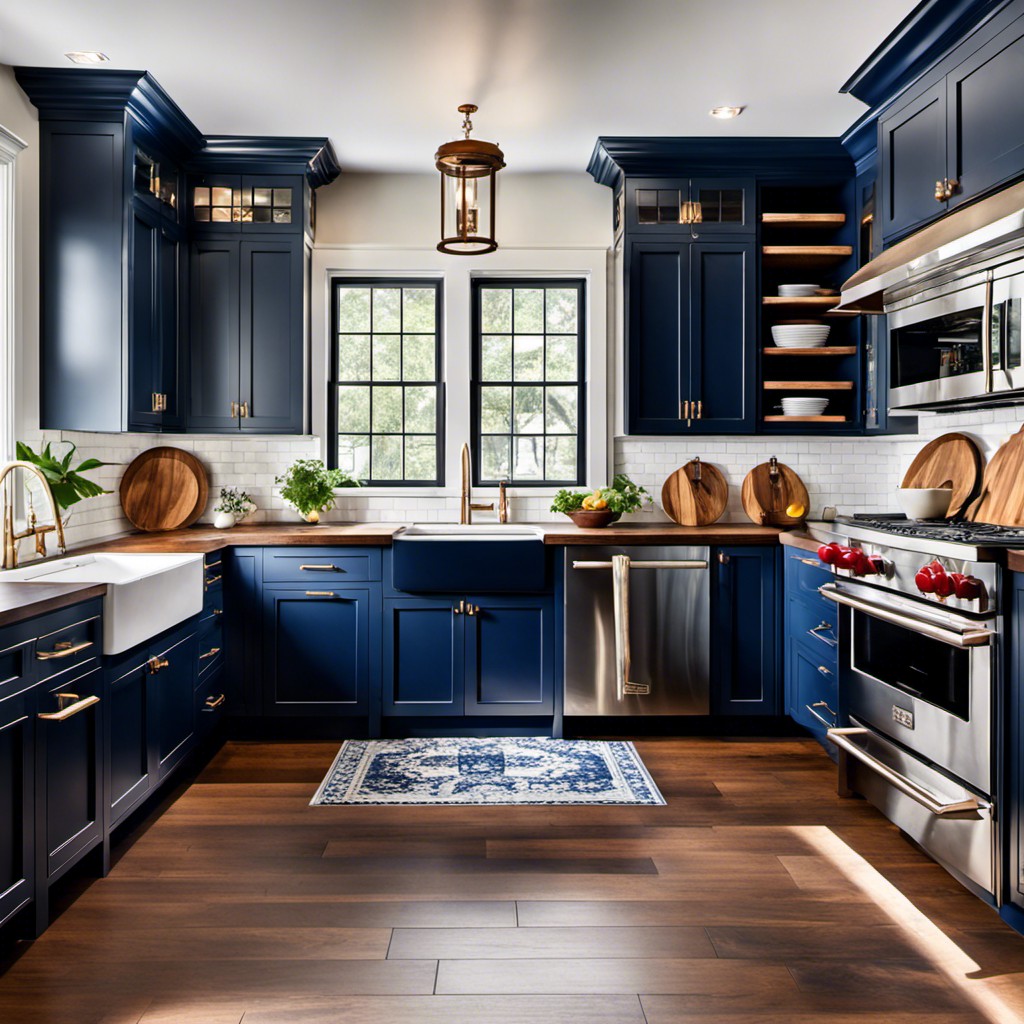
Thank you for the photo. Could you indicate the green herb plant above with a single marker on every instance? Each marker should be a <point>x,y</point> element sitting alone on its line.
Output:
<point>235,502</point>
<point>308,485</point>
<point>622,497</point>
<point>68,485</point>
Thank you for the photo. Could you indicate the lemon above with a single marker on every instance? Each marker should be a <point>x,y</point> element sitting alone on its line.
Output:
<point>796,511</point>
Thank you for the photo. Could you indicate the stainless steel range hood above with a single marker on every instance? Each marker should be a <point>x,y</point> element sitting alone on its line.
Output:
<point>956,244</point>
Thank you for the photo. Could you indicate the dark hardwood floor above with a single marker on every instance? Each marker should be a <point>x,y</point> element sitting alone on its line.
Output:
<point>755,895</point>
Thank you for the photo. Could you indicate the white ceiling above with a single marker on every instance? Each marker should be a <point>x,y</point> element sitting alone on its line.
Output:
<point>383,78</point>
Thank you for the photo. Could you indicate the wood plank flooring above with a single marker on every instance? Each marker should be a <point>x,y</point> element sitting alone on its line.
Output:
<point>240,904</point>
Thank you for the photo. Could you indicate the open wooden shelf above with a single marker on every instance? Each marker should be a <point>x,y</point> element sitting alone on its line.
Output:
<point>819,350</point>
<point>804,255</point>
<point>817,305</point>
<point>805,419</point>
<point>804,220</point>
<point>808,385</point>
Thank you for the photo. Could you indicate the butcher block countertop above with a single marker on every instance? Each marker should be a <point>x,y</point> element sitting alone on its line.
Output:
<point>205,539</point>
<point>1015,561</point>
<point>20,601</point>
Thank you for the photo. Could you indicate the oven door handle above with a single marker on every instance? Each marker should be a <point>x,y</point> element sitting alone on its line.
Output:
<point>916,792</point>
<point>953,637</point>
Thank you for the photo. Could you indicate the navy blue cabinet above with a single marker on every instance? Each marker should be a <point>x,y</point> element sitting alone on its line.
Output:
<point>473,656</point>
<point>691,336</point>
<point>131,743</point>
<point>242,607</point>
<point>247,315</point>
<point>422,663</point>
<point>17,804</point>
<point>509,656</point>
<point>174,674</point>
<point>811,644</point>
<point>744,627</point>
<point>69,770</point>
<point>319,649</point>
<point>1014,802</point>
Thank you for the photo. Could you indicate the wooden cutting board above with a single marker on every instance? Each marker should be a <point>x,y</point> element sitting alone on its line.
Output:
<point>1002,490</point>
<point>950,460</point>
<point>768,490</point>
<point>164,488</point>
<point>695,494</point>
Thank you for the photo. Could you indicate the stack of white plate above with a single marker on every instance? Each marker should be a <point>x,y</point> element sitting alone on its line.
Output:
<point>804,406</point>
<point>800,335</point>
<point>798,291</point>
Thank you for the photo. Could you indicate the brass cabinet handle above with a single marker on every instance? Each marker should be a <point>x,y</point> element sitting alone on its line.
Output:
<point>822,627</point>
<point>473,609</point>
<point>243,411</point>
<point>213,565</point>
<point>816,563</point>
<point>214,579</point>
<point>320,593</point>
<point>946,189</point>
<point>159,402</point>
<point>700,409</point>
<point>155,664</point>
<point>71,710</point>
<point>211,653</point>
<point>456,611</point>
<point>234,405</point>
<point>319,568</point>
<point>218,612</point>
<point>824,671</point>
<point>63,649</point>
<point>212,703</point>
<point>684,410</point>
<point>940,192</point>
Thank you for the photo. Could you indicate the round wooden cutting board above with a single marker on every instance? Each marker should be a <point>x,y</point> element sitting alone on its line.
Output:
<point>950,460</point>
<point>768,490</point>
<point>695,494</point>
<point>164,489</point>
<point>1002,491</point>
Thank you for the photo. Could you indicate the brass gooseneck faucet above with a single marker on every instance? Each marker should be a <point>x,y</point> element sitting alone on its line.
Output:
<point>466,504</point>
<point>11,537</point>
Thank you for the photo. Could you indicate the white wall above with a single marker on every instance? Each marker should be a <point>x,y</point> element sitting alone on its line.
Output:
<point>373,212</point>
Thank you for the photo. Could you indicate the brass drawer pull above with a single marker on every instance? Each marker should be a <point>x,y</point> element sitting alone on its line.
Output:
<point>63,649</point>
<point>473,609</point>
<point>808,561</point>
<point>214,579</point>
<point>155,664</point>
<point>824,671</point>
<point>320,593</point>
<point>212,703</point>
<point>320,568</point>
<point>71,710</point>
<point>218,612</point>
<point>211,653</point>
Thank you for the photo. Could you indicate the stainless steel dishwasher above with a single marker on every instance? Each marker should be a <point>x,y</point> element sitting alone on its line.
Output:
<point>637,630</point>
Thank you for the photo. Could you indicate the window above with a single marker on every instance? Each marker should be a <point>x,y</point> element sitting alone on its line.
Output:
<point>385,383</point>
<point>10,147</point>
<point>528,388</point>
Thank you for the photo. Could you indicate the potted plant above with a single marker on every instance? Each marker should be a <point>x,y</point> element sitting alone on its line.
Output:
<point>602,506</point>
<point>234,505</point>
<point>67,485</point>
<point>308,486</point>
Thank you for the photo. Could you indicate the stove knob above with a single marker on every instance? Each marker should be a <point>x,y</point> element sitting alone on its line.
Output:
<point>967,588</point>
<point>829,553</point>
<point>873,565</point>
<point>851,559</point>
<point>925,580</point>
<point>944,585</point>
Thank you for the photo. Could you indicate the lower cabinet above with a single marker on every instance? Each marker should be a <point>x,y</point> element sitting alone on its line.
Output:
<point>745,662</point>
<point>173,682</point>
<point>319,649</point>
<point>17,808</point>
<point>69,771</point>
<point>456,656</point>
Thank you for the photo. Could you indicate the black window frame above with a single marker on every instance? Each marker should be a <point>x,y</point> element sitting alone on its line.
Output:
<point>334,382</point>
<point>477,286</point>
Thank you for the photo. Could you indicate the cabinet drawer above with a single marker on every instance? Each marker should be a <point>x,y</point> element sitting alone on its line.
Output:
<point>321,565</point>
<point>805,574</point>
<point>213,584</point>
<point>15,662</point>
<point>211,703</point>
<point>69,647</point>
<point>814,700</point>
<point>211,644</point>
<point>813,622</point>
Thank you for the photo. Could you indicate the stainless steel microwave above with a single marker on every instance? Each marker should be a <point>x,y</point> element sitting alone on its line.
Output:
<point>960,343</point>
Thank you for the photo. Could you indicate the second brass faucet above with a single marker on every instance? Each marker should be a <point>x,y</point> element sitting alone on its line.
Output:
<point>466,504</point>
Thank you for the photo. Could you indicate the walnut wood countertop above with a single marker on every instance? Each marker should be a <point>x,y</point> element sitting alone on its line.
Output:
<point>661,533</point>
<point>20,601</point>
<point>1015,561</point>
<point>796,539</point>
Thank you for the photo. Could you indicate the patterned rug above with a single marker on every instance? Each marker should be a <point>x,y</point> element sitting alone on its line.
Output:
<point>487,771</point>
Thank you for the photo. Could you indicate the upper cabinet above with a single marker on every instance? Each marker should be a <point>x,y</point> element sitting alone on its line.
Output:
<point>956,131</point>
<point>130,193</point>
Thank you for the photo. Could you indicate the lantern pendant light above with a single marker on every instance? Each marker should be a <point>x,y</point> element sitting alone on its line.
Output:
<point>468,167</point>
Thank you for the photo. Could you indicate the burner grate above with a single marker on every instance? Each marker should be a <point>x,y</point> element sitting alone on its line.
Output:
<point>951,531</point>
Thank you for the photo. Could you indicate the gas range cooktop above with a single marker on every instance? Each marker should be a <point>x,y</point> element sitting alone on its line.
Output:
<point>948,531</point>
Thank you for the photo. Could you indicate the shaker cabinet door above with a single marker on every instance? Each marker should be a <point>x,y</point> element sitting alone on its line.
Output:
<point>422,666</point>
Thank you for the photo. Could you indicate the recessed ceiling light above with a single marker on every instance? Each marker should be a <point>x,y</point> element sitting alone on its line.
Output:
<point>87,57</point>
<point>726,113</point>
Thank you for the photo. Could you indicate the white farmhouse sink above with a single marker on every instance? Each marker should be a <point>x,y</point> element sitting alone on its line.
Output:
<point>474,531</point>
<point>146,594</point>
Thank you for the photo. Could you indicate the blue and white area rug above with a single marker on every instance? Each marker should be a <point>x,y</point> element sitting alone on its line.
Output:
<point>487,771</point>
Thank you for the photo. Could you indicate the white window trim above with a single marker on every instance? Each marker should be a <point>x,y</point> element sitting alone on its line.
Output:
<point>331,263</point>
<point>10,147</point>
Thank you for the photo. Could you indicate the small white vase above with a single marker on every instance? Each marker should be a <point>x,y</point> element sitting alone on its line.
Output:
<point>223,520</point>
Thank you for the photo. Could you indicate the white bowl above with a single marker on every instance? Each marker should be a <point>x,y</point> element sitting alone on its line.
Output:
<point>924,502</point>
<point>804,406</point>
<point>800,335</point>
<point>797,291</point>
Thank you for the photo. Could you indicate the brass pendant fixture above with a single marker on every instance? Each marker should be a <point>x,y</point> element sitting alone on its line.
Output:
<point>468,203</point>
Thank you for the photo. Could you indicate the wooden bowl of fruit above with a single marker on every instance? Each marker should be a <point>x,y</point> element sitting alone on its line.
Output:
<point>602,506</point>
<point>592,518</point>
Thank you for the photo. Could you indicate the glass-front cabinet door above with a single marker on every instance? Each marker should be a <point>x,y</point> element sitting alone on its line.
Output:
<point>246,203</point>
<point>698,206</point>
